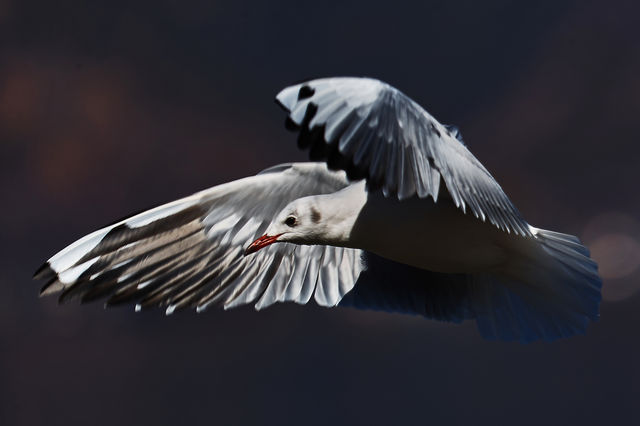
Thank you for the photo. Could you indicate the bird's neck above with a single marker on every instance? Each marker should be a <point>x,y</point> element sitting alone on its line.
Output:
<point>339,212</point>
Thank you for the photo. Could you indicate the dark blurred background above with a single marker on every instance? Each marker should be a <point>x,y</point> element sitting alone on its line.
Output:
<point>108,107</point>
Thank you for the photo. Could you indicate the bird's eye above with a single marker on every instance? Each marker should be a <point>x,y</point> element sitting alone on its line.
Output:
<point>290,221</point>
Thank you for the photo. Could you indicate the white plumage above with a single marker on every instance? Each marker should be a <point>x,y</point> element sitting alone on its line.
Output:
<point>385,226</point>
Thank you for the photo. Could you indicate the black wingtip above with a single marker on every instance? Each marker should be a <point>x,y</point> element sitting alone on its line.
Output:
<point>46,288</point>
<point>45,272</point>
<point>306,92</point>
<point>124,297</point>
<point>291,125</point>
<point>281,105</point>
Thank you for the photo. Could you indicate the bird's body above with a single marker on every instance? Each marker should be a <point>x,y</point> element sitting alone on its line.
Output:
<point>404,218</point>
<point>416,231</point>
<point>434,236</point>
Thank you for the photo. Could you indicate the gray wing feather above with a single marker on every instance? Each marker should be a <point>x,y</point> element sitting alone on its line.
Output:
<point>374,131</point>
<point>190,252</point>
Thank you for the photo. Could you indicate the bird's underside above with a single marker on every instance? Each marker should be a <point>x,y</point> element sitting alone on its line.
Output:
<point>436,236</point>
<point>407,221</point>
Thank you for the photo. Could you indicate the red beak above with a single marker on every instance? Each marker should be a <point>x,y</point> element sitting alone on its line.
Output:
<point>261,242</point>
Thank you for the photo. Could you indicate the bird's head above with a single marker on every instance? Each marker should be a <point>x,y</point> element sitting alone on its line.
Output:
<point>299,222</point>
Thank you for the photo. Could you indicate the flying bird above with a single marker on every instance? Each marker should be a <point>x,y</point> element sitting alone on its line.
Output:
<point>393,213</point>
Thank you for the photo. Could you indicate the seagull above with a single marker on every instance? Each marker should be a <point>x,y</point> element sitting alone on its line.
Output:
<point>392,213</point>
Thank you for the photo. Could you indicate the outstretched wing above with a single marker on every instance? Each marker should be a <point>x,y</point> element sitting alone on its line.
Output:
<point>374,131</point>
<point>190,252</point>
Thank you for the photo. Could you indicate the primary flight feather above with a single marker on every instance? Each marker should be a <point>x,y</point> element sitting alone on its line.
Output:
<point>394,214</point>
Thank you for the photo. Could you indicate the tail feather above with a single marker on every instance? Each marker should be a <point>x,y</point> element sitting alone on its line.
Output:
<point>581,272</point>
<point>555,293</point>
<point>559,297</point>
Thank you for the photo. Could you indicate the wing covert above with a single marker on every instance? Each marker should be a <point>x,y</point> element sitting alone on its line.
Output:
<point>372,130</point>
